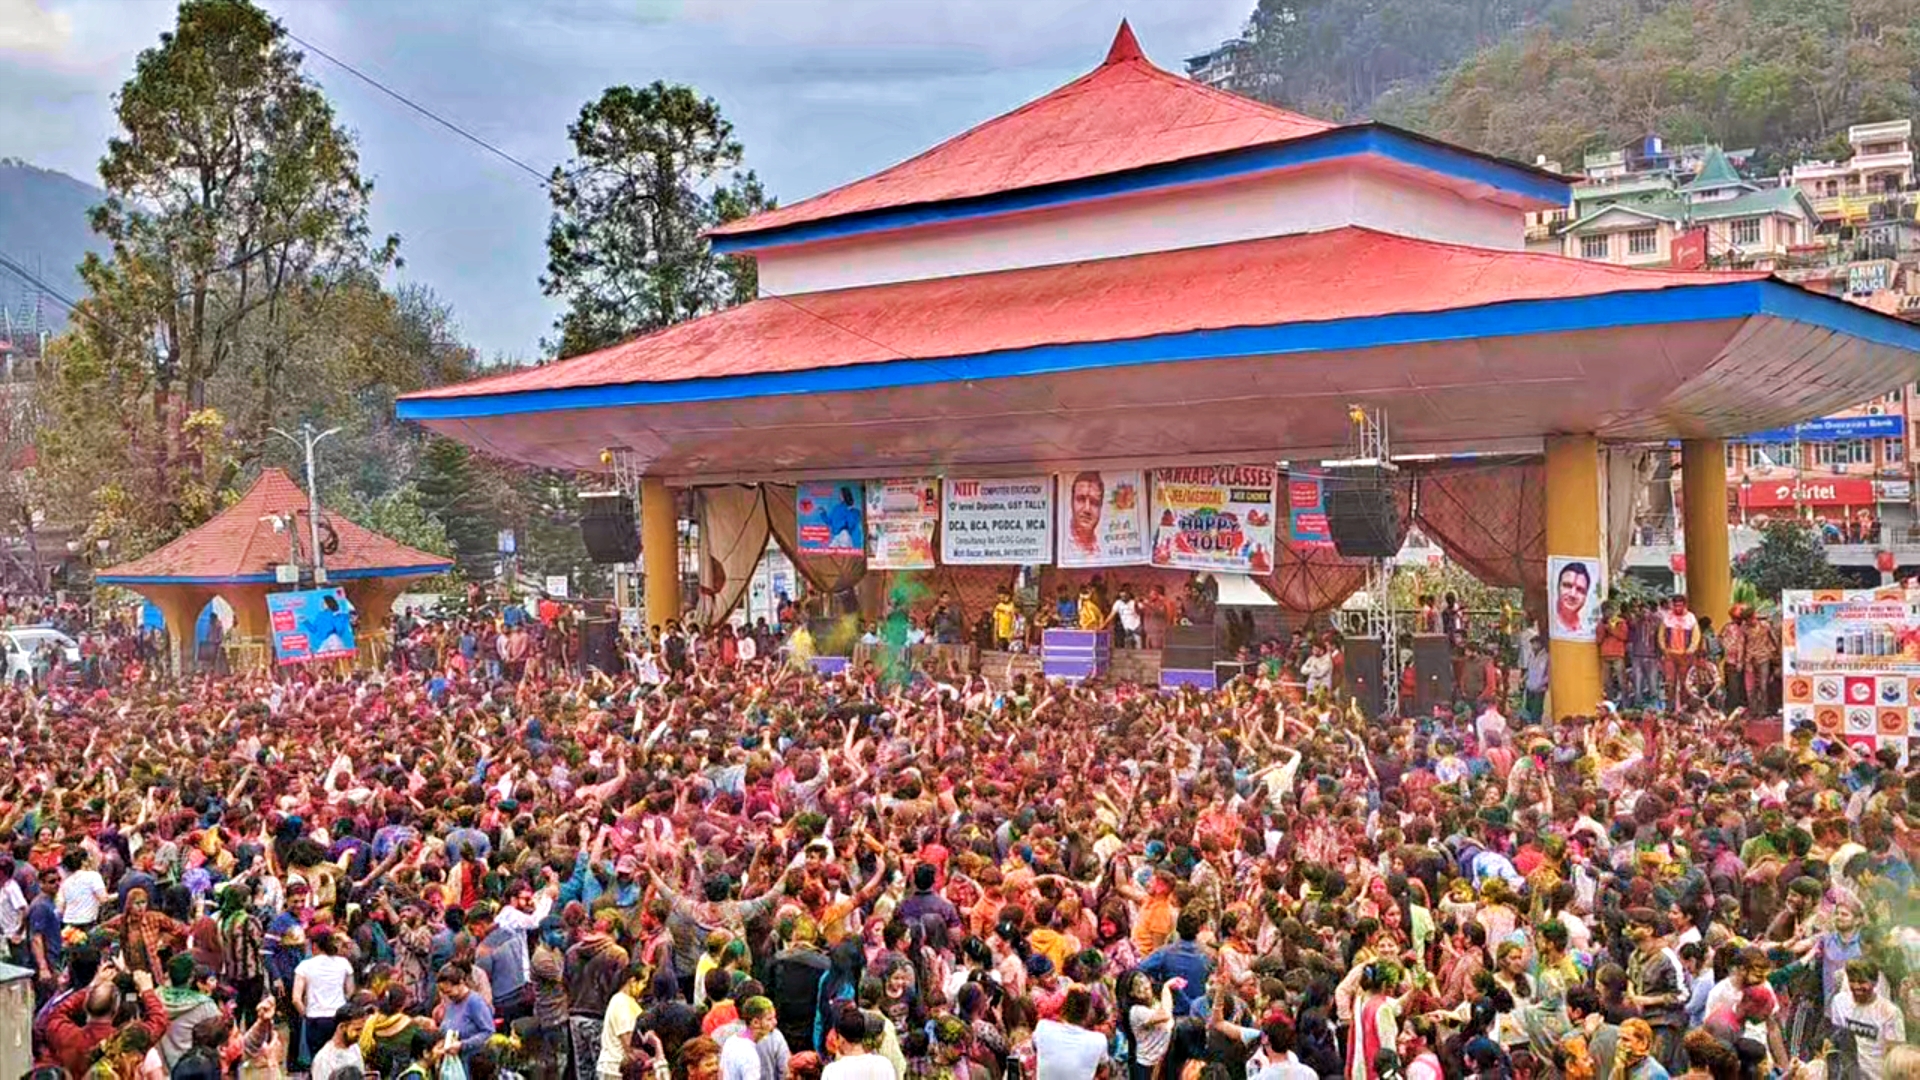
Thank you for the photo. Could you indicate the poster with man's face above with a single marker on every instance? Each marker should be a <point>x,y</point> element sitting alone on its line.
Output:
<point>1103,518</point>
<point>1573,597</point>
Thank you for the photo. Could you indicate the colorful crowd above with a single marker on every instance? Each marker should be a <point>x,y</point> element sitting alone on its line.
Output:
<point>741,870</point>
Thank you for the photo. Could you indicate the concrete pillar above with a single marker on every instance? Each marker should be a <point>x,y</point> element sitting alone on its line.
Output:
<point>372,600</point>
<point>1573,531</point>
<point>659,551</point>
<point>1703,490</point>
<point>252,631</point>
<point>180,607</point>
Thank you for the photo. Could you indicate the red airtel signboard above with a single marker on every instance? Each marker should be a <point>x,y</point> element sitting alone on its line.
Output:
<point>1839,491</point>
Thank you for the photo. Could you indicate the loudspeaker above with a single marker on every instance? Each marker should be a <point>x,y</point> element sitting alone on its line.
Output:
<point>600,645</point>
<point>1432,673</point>
<point>608,528</point>
<point>1362,517</point>
<point>1188,648</point>
<point>1364,665</point>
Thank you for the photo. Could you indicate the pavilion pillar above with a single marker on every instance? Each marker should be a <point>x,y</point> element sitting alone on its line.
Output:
<point>250,644</point>
<point>659,551</point>
<point>1703,491</point>
<point>1573,531</point>
<point>180,608</point>
<point>372,600</point>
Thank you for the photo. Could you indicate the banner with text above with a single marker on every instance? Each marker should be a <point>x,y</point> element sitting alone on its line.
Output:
<point>1850,667</point>
<point>997,522</point>
<point>1307,510</point>
<point>314,624</point>
<point>1103,518</point>
<point>901,519</point>
<point>831,517</point>
<point>1214,517</point>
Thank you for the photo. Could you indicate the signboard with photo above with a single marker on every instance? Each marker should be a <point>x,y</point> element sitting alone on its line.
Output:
<point>1102,518</point>
<point>313,624</point>
<point>831,517</point>
<point>1575,589</point>
<point>1850,663</point>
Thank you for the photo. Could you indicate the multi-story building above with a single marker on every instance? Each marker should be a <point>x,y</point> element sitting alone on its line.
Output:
<point>1715,218</point>
<point>1219,66</point>
<point>1844,192</point>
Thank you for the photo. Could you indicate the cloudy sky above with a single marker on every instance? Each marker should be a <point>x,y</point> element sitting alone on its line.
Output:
<point>820,91</point>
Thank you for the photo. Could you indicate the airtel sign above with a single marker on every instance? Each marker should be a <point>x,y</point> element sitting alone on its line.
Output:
<point>1840,491</point>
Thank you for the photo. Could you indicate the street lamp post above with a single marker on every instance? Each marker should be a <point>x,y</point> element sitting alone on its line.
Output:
<point>1746,495</point>
<point>307,440</point>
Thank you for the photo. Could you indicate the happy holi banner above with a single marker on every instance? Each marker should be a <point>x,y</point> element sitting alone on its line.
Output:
<point>1307,510</point>
<point>313,624</point>
<point>1103,518</point>
<point>830,517</point>
<point>1850,662</point>
<point>901,519</point>
<point>1214,517</point>
<point>997,522</point>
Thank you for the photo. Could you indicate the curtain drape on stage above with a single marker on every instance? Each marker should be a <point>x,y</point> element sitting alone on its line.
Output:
<point>831,574</point>
<point>733,539</point>
<point>1490,516</point>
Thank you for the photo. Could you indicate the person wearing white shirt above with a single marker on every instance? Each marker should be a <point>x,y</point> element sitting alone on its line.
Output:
<point>1876,1023</point>
<point>1280,1061</point>
<point>852,1060</point>
<point>748,649</point>
<point>13,914</point>
<point>1064,1049</point>
<point>1318,670</point>
<point>739,1057</point>
<point>82,894</point>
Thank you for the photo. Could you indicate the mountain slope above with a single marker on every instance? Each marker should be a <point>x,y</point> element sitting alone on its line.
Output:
<point>43,227</point>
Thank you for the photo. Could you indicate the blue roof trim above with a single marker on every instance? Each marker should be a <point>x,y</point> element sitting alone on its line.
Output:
<point>1353,141</point>
<point>1680,304</point>
<point>268,579</point>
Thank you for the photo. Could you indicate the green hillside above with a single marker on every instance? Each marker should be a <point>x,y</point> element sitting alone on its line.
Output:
<point>43,227</point>
<point>1783,76</point>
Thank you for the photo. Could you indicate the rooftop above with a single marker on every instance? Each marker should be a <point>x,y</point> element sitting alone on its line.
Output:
<point>240,546</point>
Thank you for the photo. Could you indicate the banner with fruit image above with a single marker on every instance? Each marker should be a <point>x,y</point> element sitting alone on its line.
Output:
<point>1851,666</point>
<point>1103,518</point>
<point>1214,517</point>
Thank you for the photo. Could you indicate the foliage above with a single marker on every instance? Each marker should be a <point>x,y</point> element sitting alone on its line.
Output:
<point>1410,583</point>
<point>1789,556</point>
<point>236,217</point>
<point>396,514</point>
<point>1336,58</point>
<point>652,169</point>
<point>1563,77</point>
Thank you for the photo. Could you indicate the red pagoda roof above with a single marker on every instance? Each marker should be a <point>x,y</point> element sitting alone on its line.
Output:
<point>1345,273</point>
<point>1124,115</point>
<point>239,545</point>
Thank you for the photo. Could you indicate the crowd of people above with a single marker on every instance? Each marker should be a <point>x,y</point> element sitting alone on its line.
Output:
<point>733,868</point>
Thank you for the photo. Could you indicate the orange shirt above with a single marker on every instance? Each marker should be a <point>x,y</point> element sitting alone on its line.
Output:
<point>1155,924</point>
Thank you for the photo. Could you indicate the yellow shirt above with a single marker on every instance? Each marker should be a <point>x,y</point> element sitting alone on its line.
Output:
<point>1003,615</point>
<point>1090,614</point>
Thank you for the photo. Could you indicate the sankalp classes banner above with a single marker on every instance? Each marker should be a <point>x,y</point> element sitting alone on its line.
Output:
<point>999,522</point>
<point>1102,518</point>
<point>1214,517</point>
<point>902,516</point>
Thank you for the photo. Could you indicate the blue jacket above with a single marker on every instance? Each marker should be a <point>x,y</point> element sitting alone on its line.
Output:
<point>1185,960</point>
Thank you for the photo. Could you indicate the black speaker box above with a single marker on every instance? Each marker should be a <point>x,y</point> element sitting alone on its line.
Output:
<point>1362,660</point>
<point>1188,648</point>
<point>608,528</point>
<point>1362,517</point>
<point>1432,673</point>
<point>600,645</point>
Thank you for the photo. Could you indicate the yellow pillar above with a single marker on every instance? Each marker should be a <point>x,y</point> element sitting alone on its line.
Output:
<point>659,551</point>
<point>1703,493</point>
<point>180,607</point>
<point>250,643</point>
<point>1573,532</point>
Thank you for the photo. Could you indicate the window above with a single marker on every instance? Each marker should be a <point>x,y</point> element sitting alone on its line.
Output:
<point>1594,247</point>
<point>1745,231</point>
<point>1845,452</point>
<point>1893,451</point>
<point>1733,457</point>
<point>1642,242</point>
<point>1776,456</point>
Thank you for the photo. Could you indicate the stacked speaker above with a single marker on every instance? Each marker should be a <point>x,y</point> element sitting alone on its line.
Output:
<point>608,528</point>
<point>1432,673</point>
<point>1187,657</point>
<point>1362,514</point>
<point>1363,665</point>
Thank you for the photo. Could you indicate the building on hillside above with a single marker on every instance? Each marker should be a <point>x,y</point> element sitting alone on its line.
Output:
<point>1715,218</point>
<point>1219,66</point>
<point>1651,156</point>
<point>1881,165</point>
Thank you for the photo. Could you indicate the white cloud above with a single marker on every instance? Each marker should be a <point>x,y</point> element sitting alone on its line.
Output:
<point>30,26</point>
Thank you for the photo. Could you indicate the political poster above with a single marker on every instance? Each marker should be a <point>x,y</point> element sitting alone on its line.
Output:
<point>1214,517</point>
<point>831,517</point>
<point>1001,522</point>
<point>1307,510</point>
<point>313,624</point>
<point>902,516</point>
<point>1102,518</point>
<point>1850,662</point>
<point>1575,585</point>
